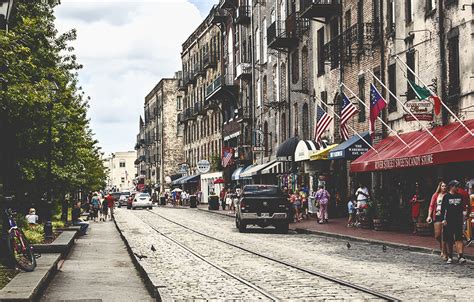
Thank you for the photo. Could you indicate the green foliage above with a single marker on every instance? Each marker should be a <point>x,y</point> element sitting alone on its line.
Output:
<point>216,162</point>
<point>43,90</point>
<point>58,224</point>
<point>34,234</point>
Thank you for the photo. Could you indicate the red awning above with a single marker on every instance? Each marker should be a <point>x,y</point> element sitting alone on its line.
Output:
<point>457,145</point>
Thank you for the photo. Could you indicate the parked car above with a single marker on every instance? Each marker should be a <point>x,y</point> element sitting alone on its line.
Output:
<point>123,200</point>
<point>130,200</point>
<point>262,205</point>
<point>142,200</point>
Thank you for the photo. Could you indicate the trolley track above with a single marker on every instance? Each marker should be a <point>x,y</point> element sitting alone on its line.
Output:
<point>284,263</point>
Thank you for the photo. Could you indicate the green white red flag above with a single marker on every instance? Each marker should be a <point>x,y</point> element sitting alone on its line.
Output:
<point>422,93</point>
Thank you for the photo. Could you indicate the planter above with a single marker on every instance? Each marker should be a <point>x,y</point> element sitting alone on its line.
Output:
<point>365,223</point>
<point>380,224</point>
<point>424,229</point>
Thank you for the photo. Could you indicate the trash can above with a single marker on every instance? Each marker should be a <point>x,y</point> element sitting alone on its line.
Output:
<point>163,201</point>
<point>213,201</point>
<point>193,201</point>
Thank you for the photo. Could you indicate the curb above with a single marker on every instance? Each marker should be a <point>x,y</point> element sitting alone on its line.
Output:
<point>377,242</point>
<point>359,239</point>
<point>16,290</point>
<point>158,292</point>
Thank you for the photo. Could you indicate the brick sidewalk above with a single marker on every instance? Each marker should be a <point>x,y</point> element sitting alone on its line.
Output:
<point>337,228</point>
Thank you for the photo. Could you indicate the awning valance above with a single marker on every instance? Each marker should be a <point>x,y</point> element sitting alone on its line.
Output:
<point>351,148</point>
<point>456,145</point>
<point>254,170</point>
<point>305,149</point>
<point>287,148</point>
<point>186,179</point>
<point>237,173</point>
<point>323,154</point>
<point>275,168</point>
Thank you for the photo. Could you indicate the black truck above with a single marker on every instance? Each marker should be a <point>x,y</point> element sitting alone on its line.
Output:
<point>262,205</point>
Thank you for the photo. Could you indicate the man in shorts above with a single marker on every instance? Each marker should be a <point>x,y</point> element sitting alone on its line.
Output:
<point>452,209</point>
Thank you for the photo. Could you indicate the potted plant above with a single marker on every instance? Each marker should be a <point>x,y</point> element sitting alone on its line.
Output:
<point>380,219</point>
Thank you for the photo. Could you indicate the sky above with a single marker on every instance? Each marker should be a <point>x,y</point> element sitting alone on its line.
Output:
<point>126,47</point>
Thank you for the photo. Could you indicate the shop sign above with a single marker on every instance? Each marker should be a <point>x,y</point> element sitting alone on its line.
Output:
<point>258,148</point>
<point>183,169</point>
<point>404,162</point>
<point>422,110</point>
<point>203,166</point>
<point>357,150</point>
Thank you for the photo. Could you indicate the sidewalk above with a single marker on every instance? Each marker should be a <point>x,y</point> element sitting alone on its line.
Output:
<point>98,268</point>
<point>337,228</point>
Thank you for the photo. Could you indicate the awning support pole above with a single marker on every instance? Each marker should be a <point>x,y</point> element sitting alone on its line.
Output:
<point>370,145</point>
<point>403,105</point>
<point>381,120</point>
<point>432,93</point>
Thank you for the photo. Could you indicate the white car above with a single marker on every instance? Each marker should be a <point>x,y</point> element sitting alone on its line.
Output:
<point>142,200</point>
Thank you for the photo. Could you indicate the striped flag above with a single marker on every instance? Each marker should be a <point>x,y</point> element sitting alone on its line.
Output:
<point>227,153</point>
<point>323,120</point>
<point>347,111</point>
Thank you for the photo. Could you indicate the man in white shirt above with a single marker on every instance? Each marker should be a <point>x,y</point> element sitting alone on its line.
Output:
<point>362,195</point>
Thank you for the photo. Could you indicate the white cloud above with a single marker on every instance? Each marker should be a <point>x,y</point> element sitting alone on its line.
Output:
<point>126,47</point>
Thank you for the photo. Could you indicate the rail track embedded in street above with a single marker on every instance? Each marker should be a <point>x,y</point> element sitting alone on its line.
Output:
<point>285,263</point>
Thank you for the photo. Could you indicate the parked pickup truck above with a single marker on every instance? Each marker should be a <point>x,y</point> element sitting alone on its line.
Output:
<point>262,205</point>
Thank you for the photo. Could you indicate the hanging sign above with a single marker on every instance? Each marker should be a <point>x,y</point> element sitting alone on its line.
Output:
<point>203,166</point>
<point>422,110</point>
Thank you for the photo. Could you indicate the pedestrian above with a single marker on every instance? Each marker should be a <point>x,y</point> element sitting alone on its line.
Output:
<point>434,215</point>
<point>452,208</point>
<point>295,201</point>
<point>95,203</point>
<point>110,204</point>
<point>322,197</point>
<point>32,218</point>
<point>351,211</point>
<point>362,195</point>
<point>76,220</point>
<point>228,201</point>
<point>105,209</point>
<point>222,198</point>
<point>304,204</point>
<point>415,203</point>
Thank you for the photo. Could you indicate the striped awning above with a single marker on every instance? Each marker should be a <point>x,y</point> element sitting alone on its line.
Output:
<point>305,149</point>
<point>254,170</point>
<point>237,173</point>
<point>275,168</point>
<point>323,154</point>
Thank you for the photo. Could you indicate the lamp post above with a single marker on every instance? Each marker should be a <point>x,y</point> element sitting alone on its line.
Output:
<point>48,226</point>
<point>5,12</point>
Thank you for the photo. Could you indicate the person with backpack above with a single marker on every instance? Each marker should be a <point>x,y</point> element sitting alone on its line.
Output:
<point>95,203</point>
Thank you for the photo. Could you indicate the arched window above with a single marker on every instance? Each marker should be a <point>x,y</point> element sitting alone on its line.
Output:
<point>295,67</point>
<point>305,123</point>
<point>296,119</point>
<point>283,82</point>
<point>305,69</point>
<point>275,83</point>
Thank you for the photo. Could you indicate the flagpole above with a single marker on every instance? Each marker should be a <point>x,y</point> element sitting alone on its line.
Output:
<point>403,105</point>
<point>381,120</point>
<point>398,59</point>
<point>368,144</point>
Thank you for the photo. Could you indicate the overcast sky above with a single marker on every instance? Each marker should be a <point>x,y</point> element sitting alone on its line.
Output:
<point>126,47</point>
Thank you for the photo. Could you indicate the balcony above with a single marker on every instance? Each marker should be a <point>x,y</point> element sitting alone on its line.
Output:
<point>320,8</point>
<point>199,70</point>
<point>197,108</point>
<point>244,115</point>
<point>221,84</point>
<point>243,70</point>
<point>242,15</point>
<point>188,78</point>
<point>209,60</point>
<point>181,85</point>
<point>188,113</point>
<point>282,35</point>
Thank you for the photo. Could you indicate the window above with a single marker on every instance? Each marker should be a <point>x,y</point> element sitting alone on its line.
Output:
<point>122,179</point>
<point>430,6</point>
<point>259,93</point>
<point>320,51</point>
<point>324,98</point>
<point>334,27</point>
<point>265,137</point>
<point>392,85</point>
<point>283,82</point>
<point>295,67</point>
<point>179,103</point>
<point>305,122</point>
<point>360,25</point>
<point>265,89</point>
<point>391,17</point>
<point>410,56</point>
<point>295,119</point>
<point>264,43</point>
<point>257,44</point>
<point>453,66</point>
<point>376,18</point>
<point>275,83</point>
<point>305,69</point>
<point>122,164</point>
<point>283,127</point>
<point>361,85</point>
<point>408,11</point>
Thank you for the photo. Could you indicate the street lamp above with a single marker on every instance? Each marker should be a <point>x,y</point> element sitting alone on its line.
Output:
<point>5,11</point>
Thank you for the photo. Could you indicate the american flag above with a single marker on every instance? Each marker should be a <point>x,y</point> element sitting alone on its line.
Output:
<point>227,153</point>
<point>347,111</point>
<point>323,120</point>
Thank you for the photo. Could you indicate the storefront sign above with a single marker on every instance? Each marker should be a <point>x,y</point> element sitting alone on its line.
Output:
<point>404,162</point>
<point>422,110</point>
<point>203,166</point>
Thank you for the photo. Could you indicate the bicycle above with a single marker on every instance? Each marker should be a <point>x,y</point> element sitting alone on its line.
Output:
<point>19,249</point>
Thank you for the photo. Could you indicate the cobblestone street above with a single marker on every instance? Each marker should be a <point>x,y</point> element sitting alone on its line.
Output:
<point>398,273</point>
